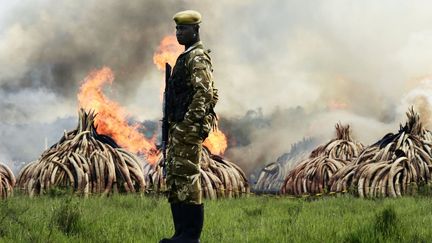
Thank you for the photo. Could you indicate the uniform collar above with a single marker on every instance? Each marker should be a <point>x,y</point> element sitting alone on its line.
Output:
<point>197,44</point>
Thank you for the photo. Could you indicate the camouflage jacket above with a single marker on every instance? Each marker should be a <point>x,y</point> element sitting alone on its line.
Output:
<point>199,115</point>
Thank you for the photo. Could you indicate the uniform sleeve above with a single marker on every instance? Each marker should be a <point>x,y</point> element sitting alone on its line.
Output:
<point>201,79</point>
<point>215,96</point>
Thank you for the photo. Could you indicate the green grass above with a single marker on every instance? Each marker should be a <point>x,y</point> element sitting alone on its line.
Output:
<point>64,218</point>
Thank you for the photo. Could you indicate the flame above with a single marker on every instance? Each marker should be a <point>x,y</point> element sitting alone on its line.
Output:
<point>216,142</point>
<point>167,52</point>
<point>111,118</point>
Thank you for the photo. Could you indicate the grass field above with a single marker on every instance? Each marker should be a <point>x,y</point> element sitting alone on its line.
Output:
<point>133,218</point>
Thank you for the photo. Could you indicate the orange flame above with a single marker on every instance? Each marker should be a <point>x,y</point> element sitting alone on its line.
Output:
<point>216,142</point>
<point>167,52</point>
<point>111,118</point>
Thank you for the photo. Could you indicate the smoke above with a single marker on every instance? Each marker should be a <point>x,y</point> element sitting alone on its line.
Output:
<point>22,143</point>
<point>305,64</point>
<point>308,54</point>
<point>257,139</point>
<point>48,47</point>
<point>421,97</point>
<point>361,55</point>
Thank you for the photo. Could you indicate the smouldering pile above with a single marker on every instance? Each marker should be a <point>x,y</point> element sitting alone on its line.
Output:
<point>395,165</point>
<point>7,181</point>
<point>313,175</point>
<point>84,161</point>
<point>272,176</point>
<point>219,178</point>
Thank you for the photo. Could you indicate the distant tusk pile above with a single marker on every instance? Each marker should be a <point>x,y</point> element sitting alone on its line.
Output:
<point>272,176</point>
<point>84,161</point>
<point>7,181</point>
<point>394,166</point>
<point>313,175</point>
<point>219,178</point>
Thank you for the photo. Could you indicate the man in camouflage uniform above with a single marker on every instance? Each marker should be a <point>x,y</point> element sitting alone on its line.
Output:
<point>190,100</point>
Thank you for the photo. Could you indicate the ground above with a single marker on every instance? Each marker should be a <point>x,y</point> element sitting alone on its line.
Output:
<point>59,217</point>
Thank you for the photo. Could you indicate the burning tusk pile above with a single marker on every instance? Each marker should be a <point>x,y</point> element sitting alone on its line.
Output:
<point>85,161</point>
<point>272,176</point>
<point>219,178</point>
<point>7,181</point>
<point>313,175</point>
<point>393,166</point>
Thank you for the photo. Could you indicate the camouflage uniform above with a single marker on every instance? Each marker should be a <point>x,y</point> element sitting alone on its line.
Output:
<point>191,117</point>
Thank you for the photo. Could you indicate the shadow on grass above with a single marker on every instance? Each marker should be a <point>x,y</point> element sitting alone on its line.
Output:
<point>67,217</point>
<point>253,212</point>
<point>384,228</point>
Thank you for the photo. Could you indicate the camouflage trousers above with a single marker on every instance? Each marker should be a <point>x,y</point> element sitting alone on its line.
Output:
<point>183,168</point>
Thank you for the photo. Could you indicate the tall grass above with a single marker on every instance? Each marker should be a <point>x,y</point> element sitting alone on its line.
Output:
<point>132,218</point>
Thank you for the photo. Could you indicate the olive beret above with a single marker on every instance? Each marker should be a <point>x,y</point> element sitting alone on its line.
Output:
<point>187,17</point>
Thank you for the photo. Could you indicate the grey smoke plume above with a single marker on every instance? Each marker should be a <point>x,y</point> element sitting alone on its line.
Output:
<point>52,45</point>
<point>363,57</point>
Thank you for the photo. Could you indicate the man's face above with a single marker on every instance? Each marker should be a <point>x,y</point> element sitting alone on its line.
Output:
<point>185,34</point>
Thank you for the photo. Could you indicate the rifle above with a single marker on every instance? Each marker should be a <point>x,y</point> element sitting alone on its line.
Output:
<point>165,125</point>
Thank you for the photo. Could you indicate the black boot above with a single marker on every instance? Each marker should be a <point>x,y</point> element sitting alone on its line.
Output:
<point>176,210</point>
<point>194,220</point>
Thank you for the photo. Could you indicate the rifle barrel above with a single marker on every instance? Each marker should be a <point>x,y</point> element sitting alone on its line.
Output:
<point>165,118</point>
